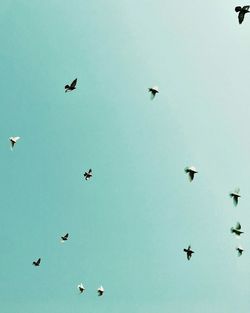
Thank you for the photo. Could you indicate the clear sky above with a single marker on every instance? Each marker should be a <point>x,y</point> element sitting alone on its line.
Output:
<point>129,224</point>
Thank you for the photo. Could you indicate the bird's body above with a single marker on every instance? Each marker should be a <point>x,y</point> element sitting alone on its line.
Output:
<point>88,175</point>
<point>153,90</point>
<point>239,250</point>
<point>241,12</point>
<point>191,171</point>
<point>100,291</point>
<point>235,195</point>
<point>65,237</point>
<point>189,252</point>
<point>13,141</point>
<point>37,263</point>
<point>81,288</point>
<point>237,230</point>
<point>72,86</point>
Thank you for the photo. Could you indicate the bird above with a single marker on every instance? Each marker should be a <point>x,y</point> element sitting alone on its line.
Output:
<point>153,90</point>
<point>81,288</point>
<point>240,250</point>
<point>189,252</point>
<point>100,291</point>
<point>191,171</point>
<point>13,141</point>
<point>72,86</point>
<point>242,11</point>
<point>65,237</point>
<point>237,230</point>
<point>37,263</point>
<point>235,195</point>
<point>88,174</point>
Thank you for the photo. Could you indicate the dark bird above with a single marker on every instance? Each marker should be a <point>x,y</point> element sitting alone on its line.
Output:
<point>189,252</point>
<point>100,291</point>
<point>153,90</point>
<point>65,237</point>
<point>191,171</point>
<point>240,250</point>
<point>88,174</point>
<point>13,141</point>
<point>81,288</point>
<point>242,11</point>
<point>237,230</point>
<point>235,195</point>
<point>37,263</point>
<point>72,86</point>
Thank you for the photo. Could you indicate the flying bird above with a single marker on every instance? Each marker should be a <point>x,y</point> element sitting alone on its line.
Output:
<point>191,171</point>
<point>65,237</point>
<point>189,252</point>
<point>13,141</point>
<point>153,90</point>
<point>81,288</point>
<point>237,230</point>
<point>100,291</point>
<point>240,250</point>
<point>242,11</point>
<point>72,86</point>
<point>235,195</point>
<point>37,263</point>
<point>88,174</point>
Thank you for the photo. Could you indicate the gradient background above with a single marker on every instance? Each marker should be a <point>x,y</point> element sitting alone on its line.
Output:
<point>129,224</point>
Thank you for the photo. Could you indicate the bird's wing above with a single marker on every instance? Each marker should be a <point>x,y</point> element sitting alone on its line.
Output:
<point>38,261</point>
<point>246,7</point>
<point>235,199</point>
<point>191,175</point>
<point>73,84</point>
<point>90,171</point>
<point>238,226</point>
<point>67,235</point>
<point>241,16</point>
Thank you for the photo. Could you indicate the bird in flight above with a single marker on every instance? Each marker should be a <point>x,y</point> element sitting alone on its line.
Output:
<point>100,291</point>
<point>237,230</point>
<point>65,237</point>
<point>240,250</point>
<point>81,288</point>
<point>37,263</point>
<point>13,141</point>
<point>191,171</point>
<point>72,86</point>
<point>88,174</point>
<point>189,252</point>
<point>242,11</point>
<point>235,195</point>
<point>153,90</point>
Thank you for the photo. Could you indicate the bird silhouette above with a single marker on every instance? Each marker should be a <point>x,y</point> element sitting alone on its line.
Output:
<point>65,237</point>
<point>13,141</point>
<point>239,250</point>
<point>88,174</point>
<point>100,291</point>
<point>237,230</point>
<point>153,90</point>
<point>189,252</point>
<point>191,171</point>
<point>37,263</point>
<point>235,195</point>
<point>242,11</point>
<point>81,288</point>
<point>72,86</point>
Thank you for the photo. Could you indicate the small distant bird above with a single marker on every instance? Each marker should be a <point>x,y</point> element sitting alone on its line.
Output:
<point>189,252</point>
<point>88,174</point>
<point>191,171</point>
<point>81,288</point>
<point>235,195</point>
<point>240,250</point>
<point>100,291</point>
<point>153,90</point>
<point>242,11</point>
<point>37,263</point>
<point>13,141</point>
<point>65,237</point>
<point>237,230</point>
<point>72,86</point>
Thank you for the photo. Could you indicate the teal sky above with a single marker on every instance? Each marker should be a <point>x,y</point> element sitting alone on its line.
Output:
<point>129,224</point>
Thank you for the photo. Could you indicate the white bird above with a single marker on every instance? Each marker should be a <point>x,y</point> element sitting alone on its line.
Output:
<point>13,141</point>
<point>153,90</point>
<point>237,230</point>
<point>240,250</point>
<point>100,291</point>
<point>81,288</point>
<point>191,171</point>
<point>235,195</point>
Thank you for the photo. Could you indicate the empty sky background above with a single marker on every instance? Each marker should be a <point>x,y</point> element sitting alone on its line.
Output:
<point>129,224</point>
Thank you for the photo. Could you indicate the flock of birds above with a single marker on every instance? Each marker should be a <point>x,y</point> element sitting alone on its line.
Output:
<point>190,171</point>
